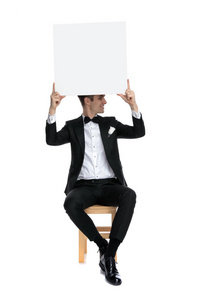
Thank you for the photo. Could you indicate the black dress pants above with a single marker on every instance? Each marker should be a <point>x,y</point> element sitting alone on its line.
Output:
<point>106,192</point>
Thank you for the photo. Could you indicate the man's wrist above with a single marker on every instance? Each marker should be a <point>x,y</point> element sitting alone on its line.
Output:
<point>136,115</point>
<point>51,119</point>
<point>52,111</point>
<point>134,108</point>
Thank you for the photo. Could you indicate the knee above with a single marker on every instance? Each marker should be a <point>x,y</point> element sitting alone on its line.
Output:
<point>67,205</point>
<point>133,197</point>
<point>70,205</point>
<point>130,198</point>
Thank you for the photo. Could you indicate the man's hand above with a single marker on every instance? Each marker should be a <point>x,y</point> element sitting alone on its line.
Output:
<point>55,101</point>
<point>129,97</point>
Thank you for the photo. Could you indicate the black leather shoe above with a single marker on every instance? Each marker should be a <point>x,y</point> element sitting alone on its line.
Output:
<point>103,249</point>
<point>107,264</point>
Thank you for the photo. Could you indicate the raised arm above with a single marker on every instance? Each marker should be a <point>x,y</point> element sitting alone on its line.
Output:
<point>53,137</point>
<point>55,101</point>
<point>129,97</point>
<point>138,129</point>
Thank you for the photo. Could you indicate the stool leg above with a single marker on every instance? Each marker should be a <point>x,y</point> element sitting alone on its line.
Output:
<point>85,244</point>
<point>112,218</point>
<point>81,247</point>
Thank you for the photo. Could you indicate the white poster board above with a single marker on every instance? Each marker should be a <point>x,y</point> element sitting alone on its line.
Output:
<point>90,59</point>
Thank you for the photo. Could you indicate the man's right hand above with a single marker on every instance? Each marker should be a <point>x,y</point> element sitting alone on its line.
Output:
<point>55,101</point>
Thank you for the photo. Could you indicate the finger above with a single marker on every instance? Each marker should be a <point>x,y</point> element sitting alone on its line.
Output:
<point>53,91</point>
<point>122,96</point>
<point>128,84</point>
<point>128,94</point>
<point>61,97</point>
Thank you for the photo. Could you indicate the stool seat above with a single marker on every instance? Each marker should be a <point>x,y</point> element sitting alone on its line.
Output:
<point>103,230</point>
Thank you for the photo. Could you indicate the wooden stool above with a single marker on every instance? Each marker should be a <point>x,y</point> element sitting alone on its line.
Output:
<point>104,231</point>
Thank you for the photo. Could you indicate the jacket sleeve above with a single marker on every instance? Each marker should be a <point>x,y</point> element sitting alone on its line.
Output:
<point>55,138</point>
<point>130,132</point>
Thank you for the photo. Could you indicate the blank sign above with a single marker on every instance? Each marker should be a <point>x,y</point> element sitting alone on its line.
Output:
<point>90,59</point>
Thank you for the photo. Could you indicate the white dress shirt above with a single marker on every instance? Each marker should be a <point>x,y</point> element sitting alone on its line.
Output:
<point>95,164</point>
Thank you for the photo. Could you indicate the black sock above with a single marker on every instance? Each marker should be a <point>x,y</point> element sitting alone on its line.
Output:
<point>112,247</point>
<point>100,241</point>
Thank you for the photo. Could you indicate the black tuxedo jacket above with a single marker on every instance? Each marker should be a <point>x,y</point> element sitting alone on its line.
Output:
<point>73,133</point>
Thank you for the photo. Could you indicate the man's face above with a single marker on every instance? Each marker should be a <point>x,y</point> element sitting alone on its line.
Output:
<point>97,105</point>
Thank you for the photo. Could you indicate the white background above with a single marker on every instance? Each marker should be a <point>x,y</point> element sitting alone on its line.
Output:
<point>159,258</point>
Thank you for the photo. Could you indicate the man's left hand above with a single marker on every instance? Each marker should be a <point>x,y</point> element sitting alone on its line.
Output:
<point>129,97</point>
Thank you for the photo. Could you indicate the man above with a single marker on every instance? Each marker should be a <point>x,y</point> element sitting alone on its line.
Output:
<point>95,175</point>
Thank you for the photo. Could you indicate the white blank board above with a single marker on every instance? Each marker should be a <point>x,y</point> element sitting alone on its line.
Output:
<point>90,59</point>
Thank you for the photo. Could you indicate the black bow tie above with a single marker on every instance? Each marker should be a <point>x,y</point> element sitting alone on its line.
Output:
<point>95,120</point>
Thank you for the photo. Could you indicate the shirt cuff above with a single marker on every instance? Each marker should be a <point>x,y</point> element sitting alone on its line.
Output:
<point>136,115</point>
<point>51,119</point>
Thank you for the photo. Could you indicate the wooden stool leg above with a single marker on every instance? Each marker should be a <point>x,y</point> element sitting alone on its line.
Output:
<point>81,247</point>
<point>85,244</point>
<point>112,218</point>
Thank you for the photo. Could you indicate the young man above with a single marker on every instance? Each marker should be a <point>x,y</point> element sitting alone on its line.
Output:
<point>95,175</point>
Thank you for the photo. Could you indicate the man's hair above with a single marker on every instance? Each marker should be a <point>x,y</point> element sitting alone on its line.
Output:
<point>81,98</point>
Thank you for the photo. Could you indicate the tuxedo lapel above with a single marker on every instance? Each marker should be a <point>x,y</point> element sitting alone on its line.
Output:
<point>79,130</point>
<point>104,127</point>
